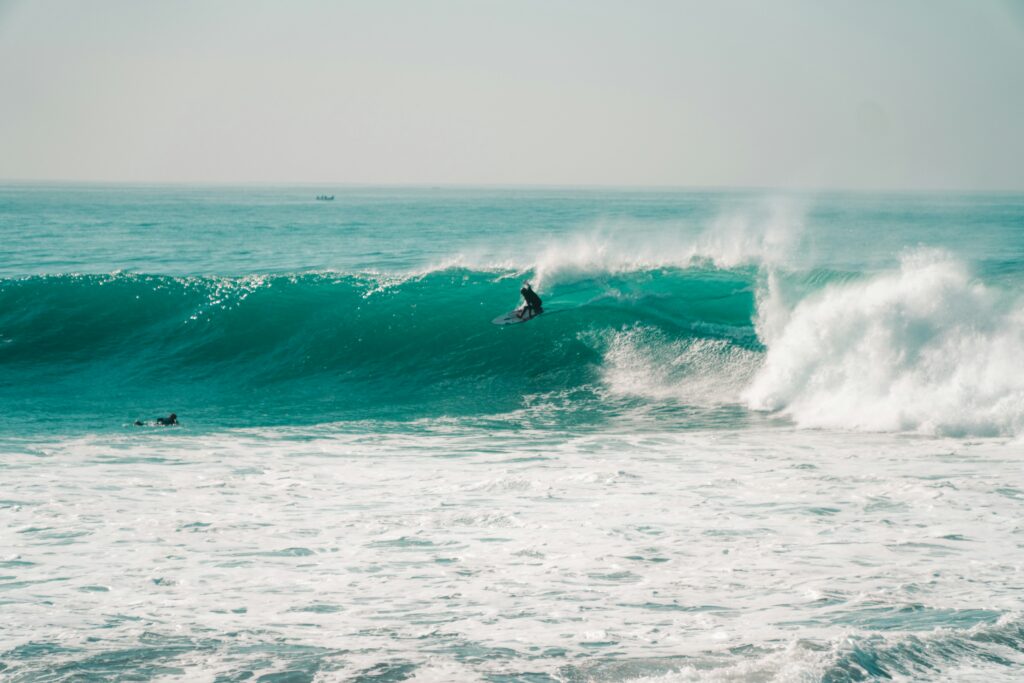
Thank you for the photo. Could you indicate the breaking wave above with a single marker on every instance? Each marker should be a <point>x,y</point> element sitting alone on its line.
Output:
<point>925,347</point>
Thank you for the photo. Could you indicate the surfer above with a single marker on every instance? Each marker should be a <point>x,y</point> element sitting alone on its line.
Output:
<point>168,421</point>
<point>533,302</point>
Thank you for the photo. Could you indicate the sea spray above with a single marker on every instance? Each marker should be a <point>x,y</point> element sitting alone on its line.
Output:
<point>925,347</point>
<point>765,233</point>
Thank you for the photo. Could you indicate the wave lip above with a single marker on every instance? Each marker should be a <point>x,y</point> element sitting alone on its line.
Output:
<point>924,348</point>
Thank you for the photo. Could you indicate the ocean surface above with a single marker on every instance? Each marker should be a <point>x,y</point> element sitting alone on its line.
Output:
<point>755,436</point>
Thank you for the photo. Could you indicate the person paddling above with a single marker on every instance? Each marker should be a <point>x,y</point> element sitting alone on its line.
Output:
<point>169,421</point>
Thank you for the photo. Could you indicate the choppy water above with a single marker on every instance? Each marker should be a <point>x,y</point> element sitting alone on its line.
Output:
<point>754,437</point>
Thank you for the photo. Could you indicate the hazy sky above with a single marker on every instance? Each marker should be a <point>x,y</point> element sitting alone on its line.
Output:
<point>847,94</point>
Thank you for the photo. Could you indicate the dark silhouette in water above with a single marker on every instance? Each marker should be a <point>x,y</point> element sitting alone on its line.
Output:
<point>533,302</point>
<point>168,421</point>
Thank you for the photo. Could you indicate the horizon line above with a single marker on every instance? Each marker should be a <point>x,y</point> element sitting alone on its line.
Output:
<point>509,186</point>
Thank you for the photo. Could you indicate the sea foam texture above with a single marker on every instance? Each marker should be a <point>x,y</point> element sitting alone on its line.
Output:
<point>923,348</point>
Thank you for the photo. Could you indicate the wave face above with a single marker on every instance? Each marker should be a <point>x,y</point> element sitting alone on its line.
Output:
<point>923,347</point>
<point>334,346</point>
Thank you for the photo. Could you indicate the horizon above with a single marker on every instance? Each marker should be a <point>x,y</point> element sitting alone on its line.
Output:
<point>355,185</point>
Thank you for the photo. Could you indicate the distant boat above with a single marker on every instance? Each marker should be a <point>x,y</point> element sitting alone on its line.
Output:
<point>325,198</point>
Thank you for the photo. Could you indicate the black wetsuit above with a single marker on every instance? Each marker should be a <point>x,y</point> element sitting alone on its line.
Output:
<point>533,302</point>
<point>170,421</point>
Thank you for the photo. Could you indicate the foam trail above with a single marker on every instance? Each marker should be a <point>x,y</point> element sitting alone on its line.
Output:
<point>924,348</point>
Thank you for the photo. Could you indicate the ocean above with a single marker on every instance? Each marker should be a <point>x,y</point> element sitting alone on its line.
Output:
<point>755,436</point>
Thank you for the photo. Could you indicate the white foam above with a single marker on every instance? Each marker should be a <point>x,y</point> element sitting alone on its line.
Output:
<point>617,546</point>
<point>765,233</point>
<point>761,232</point>
<point>641,361</point>
<point>922,348</point>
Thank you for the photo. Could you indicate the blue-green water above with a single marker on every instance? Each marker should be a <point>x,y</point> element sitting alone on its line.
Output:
<point>818,396</point>
<point>250,307</point>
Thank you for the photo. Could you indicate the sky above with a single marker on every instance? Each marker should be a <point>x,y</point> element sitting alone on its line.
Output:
<point>854,94</point>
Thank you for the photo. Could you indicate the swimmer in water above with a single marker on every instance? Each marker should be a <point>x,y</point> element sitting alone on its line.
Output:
<point>169,421</point>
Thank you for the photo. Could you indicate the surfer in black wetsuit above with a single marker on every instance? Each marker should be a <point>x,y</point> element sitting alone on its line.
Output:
<point>533,302</point>
<point>168,421</point>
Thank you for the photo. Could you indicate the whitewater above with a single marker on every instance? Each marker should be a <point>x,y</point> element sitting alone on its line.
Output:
<point>754,437</point>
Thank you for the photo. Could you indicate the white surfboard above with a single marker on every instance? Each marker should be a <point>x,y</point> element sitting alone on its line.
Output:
<point>512,317</point>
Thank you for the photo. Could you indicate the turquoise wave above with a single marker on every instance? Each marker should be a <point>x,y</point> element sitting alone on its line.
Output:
<point>310,347</point>
<point>317,347</point>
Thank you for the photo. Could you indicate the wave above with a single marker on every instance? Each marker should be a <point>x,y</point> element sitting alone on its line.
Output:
<point>331,345</point>
<point>924,347</point>
<point>330,314</point>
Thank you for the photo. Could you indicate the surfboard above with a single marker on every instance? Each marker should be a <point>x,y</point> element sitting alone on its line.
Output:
<point>512,318</point>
